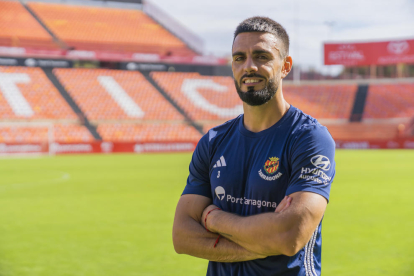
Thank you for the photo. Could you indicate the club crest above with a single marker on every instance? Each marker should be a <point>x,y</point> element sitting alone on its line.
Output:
<point>271,165</point>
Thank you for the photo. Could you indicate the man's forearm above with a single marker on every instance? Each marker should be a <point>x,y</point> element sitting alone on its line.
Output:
<point>191,238</point>
<point>252,233</point>
<point>272,233</point>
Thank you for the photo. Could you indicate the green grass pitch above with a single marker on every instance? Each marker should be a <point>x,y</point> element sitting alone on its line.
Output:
<point>106,215</point>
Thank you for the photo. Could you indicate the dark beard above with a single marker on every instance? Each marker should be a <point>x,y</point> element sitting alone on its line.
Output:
<point>255,98</point>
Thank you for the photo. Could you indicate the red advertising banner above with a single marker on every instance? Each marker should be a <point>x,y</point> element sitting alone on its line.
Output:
<point>114,147</point>
<point>369,53</point>
<point>376,144</point>
<point>26,148</point>
<point>164,147</point>
<point>96,147</point>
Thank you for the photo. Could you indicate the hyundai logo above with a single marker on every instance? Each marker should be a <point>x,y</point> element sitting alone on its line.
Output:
<point>321,162</point>
<point>398,47</point>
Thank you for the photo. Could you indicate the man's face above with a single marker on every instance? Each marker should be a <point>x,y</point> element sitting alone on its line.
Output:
<point>257,66</point>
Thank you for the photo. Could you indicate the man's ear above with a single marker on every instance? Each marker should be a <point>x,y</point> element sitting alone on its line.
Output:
<point>287,66</point>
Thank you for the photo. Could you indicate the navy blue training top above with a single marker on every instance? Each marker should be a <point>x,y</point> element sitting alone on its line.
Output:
<point>249,173</point>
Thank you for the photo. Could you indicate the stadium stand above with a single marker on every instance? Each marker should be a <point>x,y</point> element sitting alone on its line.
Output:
<point>116,95</point>
<point>409,129</point>
<point>32,134</point>
<point>26,93</point>
<point>204,98</point>
<point>211,100</point>
<point>18,28</point>
<point>390,101</point>
<point>322,101</point>
<point>129,106</point>
<point>109,29</point>
<point>125,106</point>
<point>148,132</point>
<point>72,133</point>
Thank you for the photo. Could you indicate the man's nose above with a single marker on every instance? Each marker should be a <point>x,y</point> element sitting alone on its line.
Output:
<point>250,66</point>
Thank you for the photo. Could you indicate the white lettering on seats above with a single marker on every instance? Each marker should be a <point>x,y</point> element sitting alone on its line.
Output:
<point>121,97</point>
<point>189,88</point>
<point>12,94</point>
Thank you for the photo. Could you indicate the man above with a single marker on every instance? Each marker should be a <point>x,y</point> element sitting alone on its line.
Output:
<point>258,184</point>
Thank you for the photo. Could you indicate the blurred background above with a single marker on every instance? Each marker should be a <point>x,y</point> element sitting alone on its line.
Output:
<point>79,78</point>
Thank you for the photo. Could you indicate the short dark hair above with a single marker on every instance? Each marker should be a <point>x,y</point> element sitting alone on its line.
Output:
<point>267,25</point>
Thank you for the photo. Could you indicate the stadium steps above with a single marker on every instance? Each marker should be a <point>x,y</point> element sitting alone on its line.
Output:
<point>359,103</point>
<point>173,103</point>
<point>58,41</point>
<point>72,103</point>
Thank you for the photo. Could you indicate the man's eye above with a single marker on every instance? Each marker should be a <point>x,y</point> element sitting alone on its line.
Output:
<point>238,58</point>
<point>262,57</point>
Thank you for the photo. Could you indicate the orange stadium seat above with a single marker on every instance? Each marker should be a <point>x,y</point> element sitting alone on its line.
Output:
<point>18,28</point>
<point>26,93</point>
<point>97,28</point>
<point>390,101</point>
<point>131,92</point>
<point>40,134</point>
<point>72,133</point>
<point>148,132</point>
<point>203,98</point>
<point>322,101</point>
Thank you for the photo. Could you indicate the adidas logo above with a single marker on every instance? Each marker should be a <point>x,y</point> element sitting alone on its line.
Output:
<point>220,163</point>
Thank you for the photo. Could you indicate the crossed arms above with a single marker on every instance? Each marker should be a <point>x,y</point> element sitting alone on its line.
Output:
<point>283,232</point>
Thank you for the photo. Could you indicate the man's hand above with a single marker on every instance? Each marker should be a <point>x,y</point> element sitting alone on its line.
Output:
<point>283,205</point>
